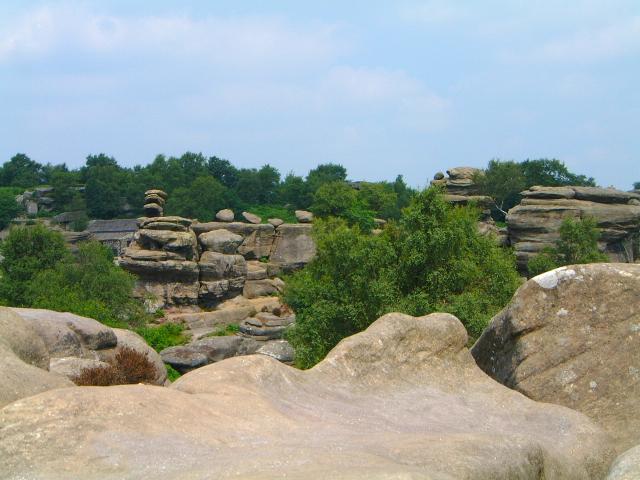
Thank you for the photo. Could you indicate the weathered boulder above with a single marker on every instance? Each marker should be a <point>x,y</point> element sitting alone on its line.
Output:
<point>153,209</point>
<point>72,367</point>
<point>221,241</point>
<point>24,361</point>
<point>571,337</point>
<point>460,181</point>
<point>276,222</point>
<point>225,215</point>
<point>185,358</point>
<point>626,466</point>
<point>258,243</point>
<point>169,240</point>
<point>266,326</point>
<point>535,223</point>
<point>303,216</point>
<point>256,270</point>
<point>281,350</point>
<point>293,246</point>
<point>259,288</point>
<point>251,218</point>
<point>404,399</point>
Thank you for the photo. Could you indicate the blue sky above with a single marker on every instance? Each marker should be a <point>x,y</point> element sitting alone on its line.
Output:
<point>384,88</point>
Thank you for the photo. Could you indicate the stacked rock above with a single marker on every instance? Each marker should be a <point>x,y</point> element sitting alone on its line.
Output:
<point>266,326</point>
<point>154,201</point>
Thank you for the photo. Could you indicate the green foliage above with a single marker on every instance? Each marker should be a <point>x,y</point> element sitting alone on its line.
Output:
<point>225,331</point>
<point>163,336</point>
<point>380,198</point>
<point>27,251</point>
<point>294,191</point>
<point>552,173</point>
<point>432,260</point>
<point>172,373</point>
<point>88,284</point>
<point>325,173</point>
<point>636,186</point>
<point>578,244</point>
<point>104,190</point>
<point>201,200</point>
<point>339,199</point>
<point>9,208</point>
<point>21,171</point>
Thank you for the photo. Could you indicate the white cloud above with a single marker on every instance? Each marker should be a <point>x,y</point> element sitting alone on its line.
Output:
<point>49,30</point>
<point>618,39</point>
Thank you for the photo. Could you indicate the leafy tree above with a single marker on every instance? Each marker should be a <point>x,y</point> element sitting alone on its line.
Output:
<point>380,198</point>
<point>578,244</point>
<point>502,181</point>
<point>636,186</point>
<point>27,251</point>
<point>404,193</point>
<point>64,194</point>
<point>223,171</point>
<point>201,200</point>
<point>434,259</point>
<point>9,208</point>
<point>339,199</point>
<point>268,183</point>
<point>88,284</point>
<point>552,173</point>
<point>295,192</point>
<point>104,189</point>
<point>21,171</point>
<point>325,173</point>
<point>349,284</point>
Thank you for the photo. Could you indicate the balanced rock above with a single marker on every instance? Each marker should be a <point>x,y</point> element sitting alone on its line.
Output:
<point>225,215</point>
<point>221,241</point>
<point>153,209</point>
<point>251,218</point>
<point>276,222</point>
<point>404,399</point>
<point>571,337</point>
<point>303,216</point>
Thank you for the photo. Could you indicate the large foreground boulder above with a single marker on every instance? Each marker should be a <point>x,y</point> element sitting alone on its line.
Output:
<point>571,337</point>
<point>404,399</point>
<point>626,466</point>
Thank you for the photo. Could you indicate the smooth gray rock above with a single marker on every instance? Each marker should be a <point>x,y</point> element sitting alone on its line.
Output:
<point>225,215</point>
<point>251,218</point>
<point>626,466</point>
<point>221,241</point>
<point>304,216</point>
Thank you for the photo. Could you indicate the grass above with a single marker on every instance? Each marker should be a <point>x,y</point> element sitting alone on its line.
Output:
<point>172,373</point>
<point>272,211</point>
<point>224,331</point>
<point>163,336</point>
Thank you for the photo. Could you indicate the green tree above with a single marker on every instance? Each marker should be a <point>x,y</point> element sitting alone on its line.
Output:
<point>21,171</point>
<point>339,199</point>
<point>295,192</point>
<point>223,171</point>
<point>88,284</point>
<point>325,173</point>
<point>201,200</point>
<point>349,284</point>
<point>381,198</point>
<point>552,173</point>
<point>578,244</point>
<point>104,189</point>
<point>64,194</point>
<point>434,259</point>
<point>503,181</point>
<point>9,208</point>
<point>27,251</point>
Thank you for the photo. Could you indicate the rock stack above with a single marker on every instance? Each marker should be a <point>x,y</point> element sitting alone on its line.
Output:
<point>154,201</point>
<point>535,223</point>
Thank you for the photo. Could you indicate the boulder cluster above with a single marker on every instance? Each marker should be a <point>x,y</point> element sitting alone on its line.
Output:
<point>181,262</point>
<point>550,390</point>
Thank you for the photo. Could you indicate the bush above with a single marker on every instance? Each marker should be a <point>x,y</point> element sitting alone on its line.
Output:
<point>89,284</point>
<point>27,251</point>
<point>271,211</point>
<point>339,199</point>
<point>226,330</point>
<point>9,208</point>
<point>163,336</point>
<point>578,244</point>
<point>433,260</point>
<point>128,367</point>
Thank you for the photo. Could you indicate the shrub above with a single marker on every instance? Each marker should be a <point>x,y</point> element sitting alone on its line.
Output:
<point>129,366</point>
<point>9,208</point>
<point>272,211</point>
<point>433,260</point>
<point>27,251</point>
<point>226,330</point>
<point>578,243</point>
<point>172,373</point>
<point>89,284</point>
<point>339,199</point>
<point>163,336</point>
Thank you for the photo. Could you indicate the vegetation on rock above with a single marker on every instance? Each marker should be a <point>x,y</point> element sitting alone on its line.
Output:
<point>578,243</point>
<point>128,367</point>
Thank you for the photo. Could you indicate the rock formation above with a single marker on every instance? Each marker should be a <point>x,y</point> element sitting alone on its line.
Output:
<point>404,399</point>
<point>535,223</point>
<point>571,337</point>
<point>39,349</point>
<point>626,466</point>
<point>154,201</point>
<point>181,262</point>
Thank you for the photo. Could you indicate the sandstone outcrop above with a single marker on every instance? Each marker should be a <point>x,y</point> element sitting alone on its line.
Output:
<point>404,399</point>
<point>626,466</point>
<point>571,337</point>
<point>304,216</point>
<point>293,246</point>
<point>42,350</point>
<point>535,223</point>
<point>154,201</point>
<point>225,215</point>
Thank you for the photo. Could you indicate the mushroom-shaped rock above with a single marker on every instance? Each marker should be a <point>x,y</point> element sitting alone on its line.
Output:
<point>225,215</point>
<point>403,399</point>
<point>303,216</point>
<point>153,210</point>
<point>155,191</point>
<point>276,222</point>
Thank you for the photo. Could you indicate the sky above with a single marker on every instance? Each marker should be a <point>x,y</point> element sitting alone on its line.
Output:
<point>381,87</point>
